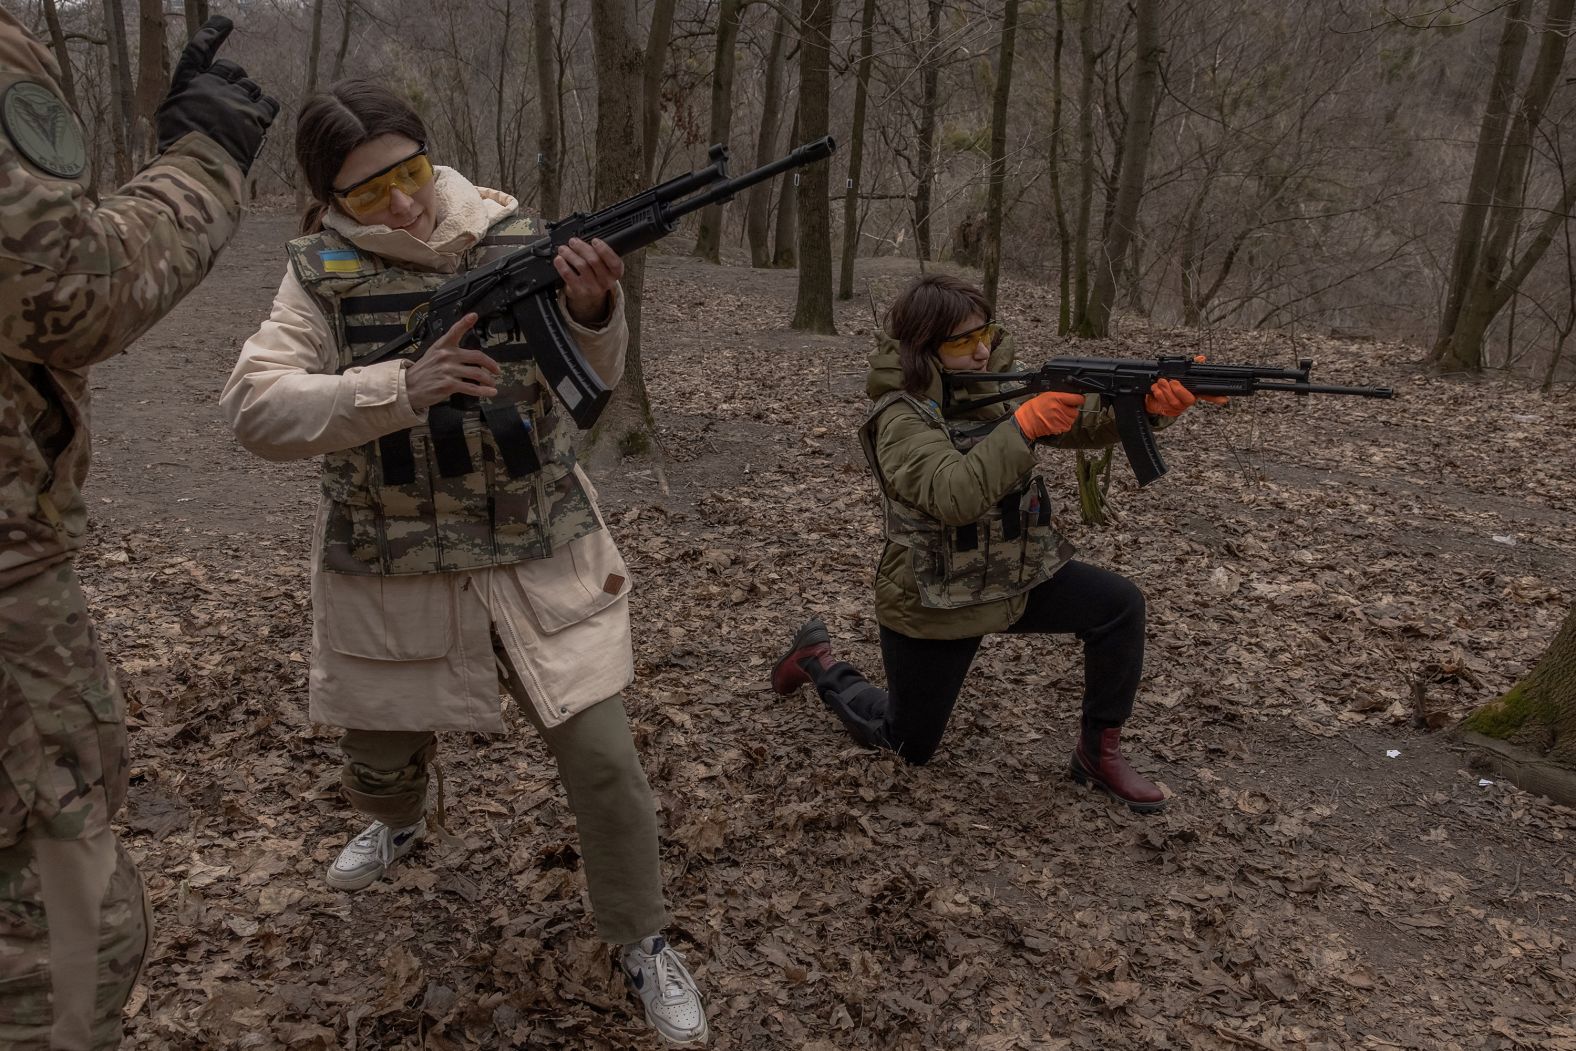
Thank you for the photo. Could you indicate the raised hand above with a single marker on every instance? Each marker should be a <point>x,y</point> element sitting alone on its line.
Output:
<point>214,97</point>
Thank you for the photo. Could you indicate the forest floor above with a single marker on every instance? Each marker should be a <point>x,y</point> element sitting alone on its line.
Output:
<point>1330,874</point>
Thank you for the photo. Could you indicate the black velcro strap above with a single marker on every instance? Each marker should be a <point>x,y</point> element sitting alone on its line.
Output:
<point>1045,501</point>
<point>1011,508</point>
<point>374,334</point>
<point>513,436</point>
<point>447,425</point>
<point>397,458</point>
<point>504,353</point>
<point>388,303</point>
<point>968,537</point>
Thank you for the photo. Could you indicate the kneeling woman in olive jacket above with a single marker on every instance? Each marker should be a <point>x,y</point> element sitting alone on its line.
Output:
<point>970,546</point>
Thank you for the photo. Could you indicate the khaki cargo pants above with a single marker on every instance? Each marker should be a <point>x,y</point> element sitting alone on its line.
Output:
<point>74,923</point>
<point>385,777</point>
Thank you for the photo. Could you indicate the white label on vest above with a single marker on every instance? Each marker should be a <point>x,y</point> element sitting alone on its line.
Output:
<point>568,393</point>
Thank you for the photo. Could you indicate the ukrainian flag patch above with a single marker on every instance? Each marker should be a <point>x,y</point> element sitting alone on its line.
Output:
<point>340,261</point>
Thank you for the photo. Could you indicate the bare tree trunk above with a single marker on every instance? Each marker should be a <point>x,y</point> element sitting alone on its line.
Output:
<point>856,155</point>
<point>1119,234</point>
<point>314,45</point>
<point>1489,288</point>
<point>651,83</point>
<point>153,74</point>
<point>346,8</point>
<point>57,41</point>
<point>196,15</point>
<point>786,256</point>
<point>501,145</point>
<point>708,239</point>
<point>758,205</point>
<point>929,85</point>
<point>998,151</point>
<point>1485,165</point>
<point>548,165</point>
<point>1086,19</point>
<point>1063,234</point>
<point>626,427</point>
<point>813,309</point>
<point>120,95</point>
<point>1531,730</point>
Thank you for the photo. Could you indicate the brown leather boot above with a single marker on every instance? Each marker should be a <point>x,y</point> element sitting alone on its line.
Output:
<point>811,643</point>
<point>1110,772</point>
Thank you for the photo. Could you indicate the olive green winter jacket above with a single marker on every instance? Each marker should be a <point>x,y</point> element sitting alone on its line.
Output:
<point>924,471</point>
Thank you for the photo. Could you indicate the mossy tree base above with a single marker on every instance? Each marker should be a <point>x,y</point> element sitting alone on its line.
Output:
<point>1523,768</point>
<point>1530,732</point>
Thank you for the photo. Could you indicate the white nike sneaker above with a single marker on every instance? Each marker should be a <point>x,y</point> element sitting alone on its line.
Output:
<point>369,855</point>
<point>657,975</point>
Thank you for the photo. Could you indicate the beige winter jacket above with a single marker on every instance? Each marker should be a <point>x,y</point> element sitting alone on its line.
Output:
<point>415,652</point>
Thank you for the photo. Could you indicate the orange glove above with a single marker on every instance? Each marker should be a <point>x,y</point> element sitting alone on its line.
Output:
<point>1044,415</point>
<point>1169,398</point>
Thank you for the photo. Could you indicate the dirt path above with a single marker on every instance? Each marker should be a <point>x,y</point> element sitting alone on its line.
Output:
<point>1304,564</point>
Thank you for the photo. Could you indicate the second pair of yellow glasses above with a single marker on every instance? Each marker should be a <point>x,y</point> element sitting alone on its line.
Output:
<point>371,194</point>
<point>964,342</point>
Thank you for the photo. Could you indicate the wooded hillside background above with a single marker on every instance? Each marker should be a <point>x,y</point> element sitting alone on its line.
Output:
<point>1340,166</point>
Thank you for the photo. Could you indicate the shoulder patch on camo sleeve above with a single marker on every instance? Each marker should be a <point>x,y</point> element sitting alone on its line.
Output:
<point>41,127</point>
<point>340,261</point>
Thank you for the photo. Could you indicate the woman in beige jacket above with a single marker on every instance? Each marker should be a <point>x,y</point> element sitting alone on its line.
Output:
<point>458,547</point>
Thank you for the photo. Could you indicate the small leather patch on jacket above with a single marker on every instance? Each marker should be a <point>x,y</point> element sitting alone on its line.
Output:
<point>612,583</point>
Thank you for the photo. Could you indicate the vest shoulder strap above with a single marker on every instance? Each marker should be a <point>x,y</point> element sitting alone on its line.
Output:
<point>327,256</point>
<point>506,235</point>
<point>867,430</point>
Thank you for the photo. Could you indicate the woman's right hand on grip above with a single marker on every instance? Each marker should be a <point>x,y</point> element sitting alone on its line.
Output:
<point>448,368</point>
<point>1048,414</point>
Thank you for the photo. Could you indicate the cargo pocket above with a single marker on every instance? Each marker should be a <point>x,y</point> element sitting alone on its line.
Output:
<point>579,580</point>
<point>386,618</point>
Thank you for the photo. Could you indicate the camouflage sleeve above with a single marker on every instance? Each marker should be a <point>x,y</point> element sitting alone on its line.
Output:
<point>928,474</point>
<point>82,281</point>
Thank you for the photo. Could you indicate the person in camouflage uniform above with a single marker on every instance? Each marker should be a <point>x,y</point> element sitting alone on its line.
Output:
<point>971,549</point>
<point>458,546</point>
<point>81,281</point>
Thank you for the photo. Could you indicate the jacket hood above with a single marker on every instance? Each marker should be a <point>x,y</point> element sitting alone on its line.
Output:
<point>886,372</point>
<point>465,211</point>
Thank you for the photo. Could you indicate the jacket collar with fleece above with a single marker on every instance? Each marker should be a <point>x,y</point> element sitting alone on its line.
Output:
<point>465,211</point>
<point>886,374</point>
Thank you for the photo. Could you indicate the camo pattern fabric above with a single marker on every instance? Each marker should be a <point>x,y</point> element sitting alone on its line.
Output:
<point>79,282</point>
<point>433,524</point>
<point>955,567</point>
<point>62,778</point>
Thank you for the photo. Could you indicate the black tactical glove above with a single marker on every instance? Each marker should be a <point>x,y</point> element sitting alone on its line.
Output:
<point>215,98</point>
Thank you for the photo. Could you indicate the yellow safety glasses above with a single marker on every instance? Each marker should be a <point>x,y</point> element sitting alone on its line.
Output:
<point>371,194</point>
<point>963,343</point>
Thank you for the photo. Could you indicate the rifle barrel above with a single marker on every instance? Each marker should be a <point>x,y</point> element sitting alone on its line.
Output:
<point>808,153</point>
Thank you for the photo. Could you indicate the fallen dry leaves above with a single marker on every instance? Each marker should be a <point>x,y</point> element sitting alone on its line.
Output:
<point>1307,563</point>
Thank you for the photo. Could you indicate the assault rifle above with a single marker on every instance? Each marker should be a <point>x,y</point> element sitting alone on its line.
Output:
<point>1123,383</point>
<point>519,292</point>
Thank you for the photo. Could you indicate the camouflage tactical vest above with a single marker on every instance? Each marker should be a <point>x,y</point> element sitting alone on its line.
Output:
<point>488,486</point>
<point>1008,552</point>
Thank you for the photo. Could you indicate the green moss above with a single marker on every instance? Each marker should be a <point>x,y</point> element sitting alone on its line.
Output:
<point>635,442</point>
<point>1501,719</point>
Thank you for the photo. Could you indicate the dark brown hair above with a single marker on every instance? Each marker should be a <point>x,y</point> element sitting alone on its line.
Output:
<point>336,121</point>
<point>931,308</point>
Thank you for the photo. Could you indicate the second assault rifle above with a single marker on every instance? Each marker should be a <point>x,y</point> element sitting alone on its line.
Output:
<point>519,292</point>
<point>1123,383</point>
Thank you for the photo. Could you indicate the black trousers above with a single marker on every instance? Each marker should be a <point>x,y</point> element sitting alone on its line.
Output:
<point>1103,609</point>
